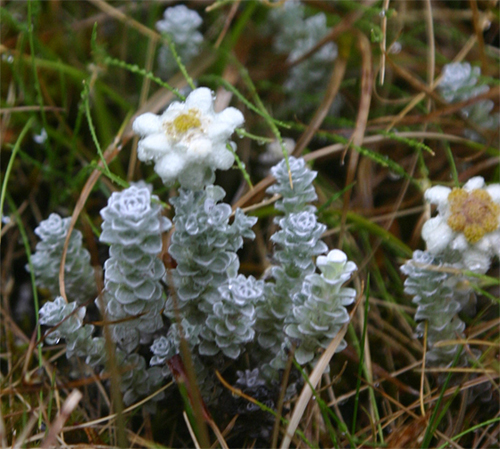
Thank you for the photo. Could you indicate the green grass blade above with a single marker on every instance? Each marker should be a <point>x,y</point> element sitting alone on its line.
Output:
<point>25,129</point>
<point>133,68</point>
<point>361,356</point>
<point>472,429</point>
<point>27,248</point>
<point>86,102</point>
<point>434,421</point>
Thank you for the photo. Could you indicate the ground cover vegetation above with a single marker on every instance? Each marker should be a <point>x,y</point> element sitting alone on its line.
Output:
<point>250,224</point>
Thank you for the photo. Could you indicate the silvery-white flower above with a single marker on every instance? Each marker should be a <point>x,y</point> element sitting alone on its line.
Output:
<point>180,21</point>
<point>467,224</point>
<point>181,24</point>
<point>458,81</point>
<point>188,141</point>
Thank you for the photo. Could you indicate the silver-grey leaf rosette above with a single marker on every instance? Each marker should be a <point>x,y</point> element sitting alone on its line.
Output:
<point>133,226</point>
<point>79,279</point>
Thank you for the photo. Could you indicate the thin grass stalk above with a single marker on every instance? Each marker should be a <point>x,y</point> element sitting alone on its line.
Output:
<point>69,405</point>
<point>227,22</point>
<point>142,99</point>
<point>34,290</point>
<point>422,377</point>
<point>8,171</point>
<point>361,356</point>
<point>361,121</point>
<point>433,420</point>
<point>38,89</point>
<point>86,103</point>
<point>191,431</point>
<point>314,378</point>
<point>383,43</point>
<point>279,408</point>
<point>331,92</point>
<point>238,392</point>
<point>108,156</point>
<point>246,77</point>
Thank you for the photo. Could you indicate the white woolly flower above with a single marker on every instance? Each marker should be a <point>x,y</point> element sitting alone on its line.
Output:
<point>468,223</point>
<point>188,141</point>
<point>181,22</point>
<point>458,81</point>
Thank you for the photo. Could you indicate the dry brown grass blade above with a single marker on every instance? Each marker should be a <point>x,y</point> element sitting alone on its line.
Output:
<point>322,111</point>
<point>422,377</point>
<point>234,391</point>
<point>361,121</point>
<point>227,23</point>
<point>431,44</point>
<point>443,111</point>
<point>419,97</point>
<point>3,434</point>
<point>29,109</point>
<point>69,405</point>
<point>218,434</point>
<point>478,29</point>
<point>124,18</point>
<point>259,189</point>
<point>23,437</point>
<point>191,431</point>
<point>279,408</point>
<point>478,168</point>
<point>257,192</point>
<point>182,369</point>
<point>383,43</point>
<point>313,380</point>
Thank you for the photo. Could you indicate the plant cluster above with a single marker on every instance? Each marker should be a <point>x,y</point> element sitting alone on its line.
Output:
<point>465,235</point>
<point>210,305</point>
<point>297,34</point>
<point>278,224</point>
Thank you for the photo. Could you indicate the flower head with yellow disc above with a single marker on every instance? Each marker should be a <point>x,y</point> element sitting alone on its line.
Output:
<point>468,223</point>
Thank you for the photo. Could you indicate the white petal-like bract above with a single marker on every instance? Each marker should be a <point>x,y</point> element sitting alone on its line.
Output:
<point>188,142</point>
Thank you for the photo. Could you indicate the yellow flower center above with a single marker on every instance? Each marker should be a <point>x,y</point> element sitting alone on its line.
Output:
<point>472,213</point>
<point>184,122</point>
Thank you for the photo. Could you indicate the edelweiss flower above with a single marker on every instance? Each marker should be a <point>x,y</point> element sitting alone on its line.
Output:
<point>468,223</point>
<point>181,24</point>
<point>188,141</point>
